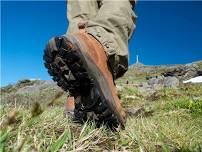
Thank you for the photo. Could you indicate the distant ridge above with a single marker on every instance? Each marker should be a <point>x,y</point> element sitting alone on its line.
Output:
<point>138,64</point>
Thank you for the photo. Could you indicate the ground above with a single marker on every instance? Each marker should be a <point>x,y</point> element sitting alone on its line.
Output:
<point>168,119</point>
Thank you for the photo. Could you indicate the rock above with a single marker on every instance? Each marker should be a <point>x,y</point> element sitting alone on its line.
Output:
<point>27,92</point>
<point>153,81</point>
<point>140,111</point>
<point>156,83</point>
<point>184,72</point>
<point>36,87</point>
<point>171,82</point>
<point>145,89</point>
<point>135,111</point>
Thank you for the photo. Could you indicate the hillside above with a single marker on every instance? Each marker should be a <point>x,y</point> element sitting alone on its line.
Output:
<point>164,114</point>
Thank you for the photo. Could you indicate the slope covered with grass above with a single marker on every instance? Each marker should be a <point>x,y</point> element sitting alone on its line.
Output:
<point>33,119</point>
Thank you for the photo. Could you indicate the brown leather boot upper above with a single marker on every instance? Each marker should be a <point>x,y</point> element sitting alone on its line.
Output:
<point>96,53</point>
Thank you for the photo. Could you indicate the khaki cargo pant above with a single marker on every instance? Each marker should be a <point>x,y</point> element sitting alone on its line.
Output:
<point>111,22</point>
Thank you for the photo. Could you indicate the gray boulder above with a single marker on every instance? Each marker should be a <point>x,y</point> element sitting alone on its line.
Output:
<point>156,83</point>
<point>145,89</point>
<point>184,72</point>
<point>171,82</point>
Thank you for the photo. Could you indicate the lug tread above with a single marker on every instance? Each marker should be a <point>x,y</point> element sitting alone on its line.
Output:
<point>60,57</point>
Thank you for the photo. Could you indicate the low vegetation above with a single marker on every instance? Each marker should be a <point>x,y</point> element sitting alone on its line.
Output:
<point>168,120</point>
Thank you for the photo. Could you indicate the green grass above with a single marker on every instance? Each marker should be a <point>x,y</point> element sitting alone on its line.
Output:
<point>193,106</point>
<point>174,125</point>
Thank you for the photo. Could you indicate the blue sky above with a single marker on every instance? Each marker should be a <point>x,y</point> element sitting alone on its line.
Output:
<point>166,33</point>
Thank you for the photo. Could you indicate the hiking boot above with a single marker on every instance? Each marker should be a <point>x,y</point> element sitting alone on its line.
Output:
<point>69,107</point>
<point>83,108</point>
<point>83,56</point>
<point>73,110</point>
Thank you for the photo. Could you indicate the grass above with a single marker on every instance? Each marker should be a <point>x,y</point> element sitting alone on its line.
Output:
<point>174,125</point>
<point>193,106</point>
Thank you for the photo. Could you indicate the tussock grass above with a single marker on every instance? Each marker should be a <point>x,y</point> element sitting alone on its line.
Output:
<point>175,125</point>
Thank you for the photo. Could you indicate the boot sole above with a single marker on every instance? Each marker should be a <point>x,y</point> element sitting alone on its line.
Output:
<point>61,56</point>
